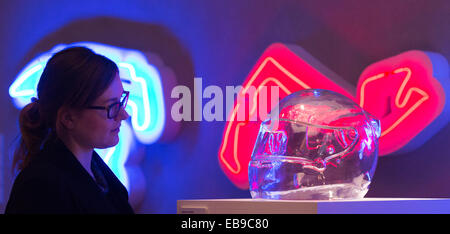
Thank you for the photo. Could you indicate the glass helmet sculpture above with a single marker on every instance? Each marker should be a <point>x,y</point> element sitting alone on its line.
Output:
<point>316,144</point>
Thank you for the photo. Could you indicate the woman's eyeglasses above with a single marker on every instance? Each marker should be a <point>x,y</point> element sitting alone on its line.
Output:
<point>114,109</point>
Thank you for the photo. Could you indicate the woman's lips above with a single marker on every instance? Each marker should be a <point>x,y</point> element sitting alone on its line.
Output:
<point>116,129</point>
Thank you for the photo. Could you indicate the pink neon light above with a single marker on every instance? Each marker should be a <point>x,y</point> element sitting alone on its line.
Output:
<point>277,66</point>
<point>400,91</point>
<point>424,95</point>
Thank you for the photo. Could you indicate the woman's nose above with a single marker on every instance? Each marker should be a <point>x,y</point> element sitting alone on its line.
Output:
<point>123,114</point>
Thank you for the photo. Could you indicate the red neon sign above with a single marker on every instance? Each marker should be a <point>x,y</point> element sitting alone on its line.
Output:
<point>404,94</point>
<point>402,91</point>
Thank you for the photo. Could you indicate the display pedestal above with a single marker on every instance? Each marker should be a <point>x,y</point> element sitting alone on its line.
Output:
<point>358,206</point>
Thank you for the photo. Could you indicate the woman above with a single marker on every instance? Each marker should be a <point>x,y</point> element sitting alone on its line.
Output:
<point>80,105</point>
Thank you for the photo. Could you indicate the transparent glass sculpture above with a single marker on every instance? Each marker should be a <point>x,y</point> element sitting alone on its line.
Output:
<point>316,144</point>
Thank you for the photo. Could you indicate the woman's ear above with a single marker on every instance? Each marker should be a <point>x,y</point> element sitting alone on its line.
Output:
<point>66,118</point>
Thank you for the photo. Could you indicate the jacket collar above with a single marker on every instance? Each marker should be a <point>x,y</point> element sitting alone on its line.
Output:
<point>56,152</point>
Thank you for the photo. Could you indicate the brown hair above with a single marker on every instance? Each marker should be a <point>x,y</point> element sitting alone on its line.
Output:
<point>74,77</point>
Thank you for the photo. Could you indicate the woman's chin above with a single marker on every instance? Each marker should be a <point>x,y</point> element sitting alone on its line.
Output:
<point>111,143</point>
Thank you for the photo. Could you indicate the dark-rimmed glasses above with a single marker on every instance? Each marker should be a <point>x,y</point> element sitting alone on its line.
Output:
<point>114,109</point>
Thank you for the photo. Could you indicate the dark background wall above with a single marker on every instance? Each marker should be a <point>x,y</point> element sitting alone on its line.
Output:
<point>220,41</point>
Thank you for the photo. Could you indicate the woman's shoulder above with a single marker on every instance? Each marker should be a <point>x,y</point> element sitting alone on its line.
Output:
<point>39,188</point>
<point>40,173</point>
<point>47,165</point>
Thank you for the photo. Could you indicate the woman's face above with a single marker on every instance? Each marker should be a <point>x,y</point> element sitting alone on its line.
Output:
<point>93,128</point>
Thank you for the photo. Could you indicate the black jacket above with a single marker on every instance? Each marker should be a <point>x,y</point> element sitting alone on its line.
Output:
<point>56,182</point>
